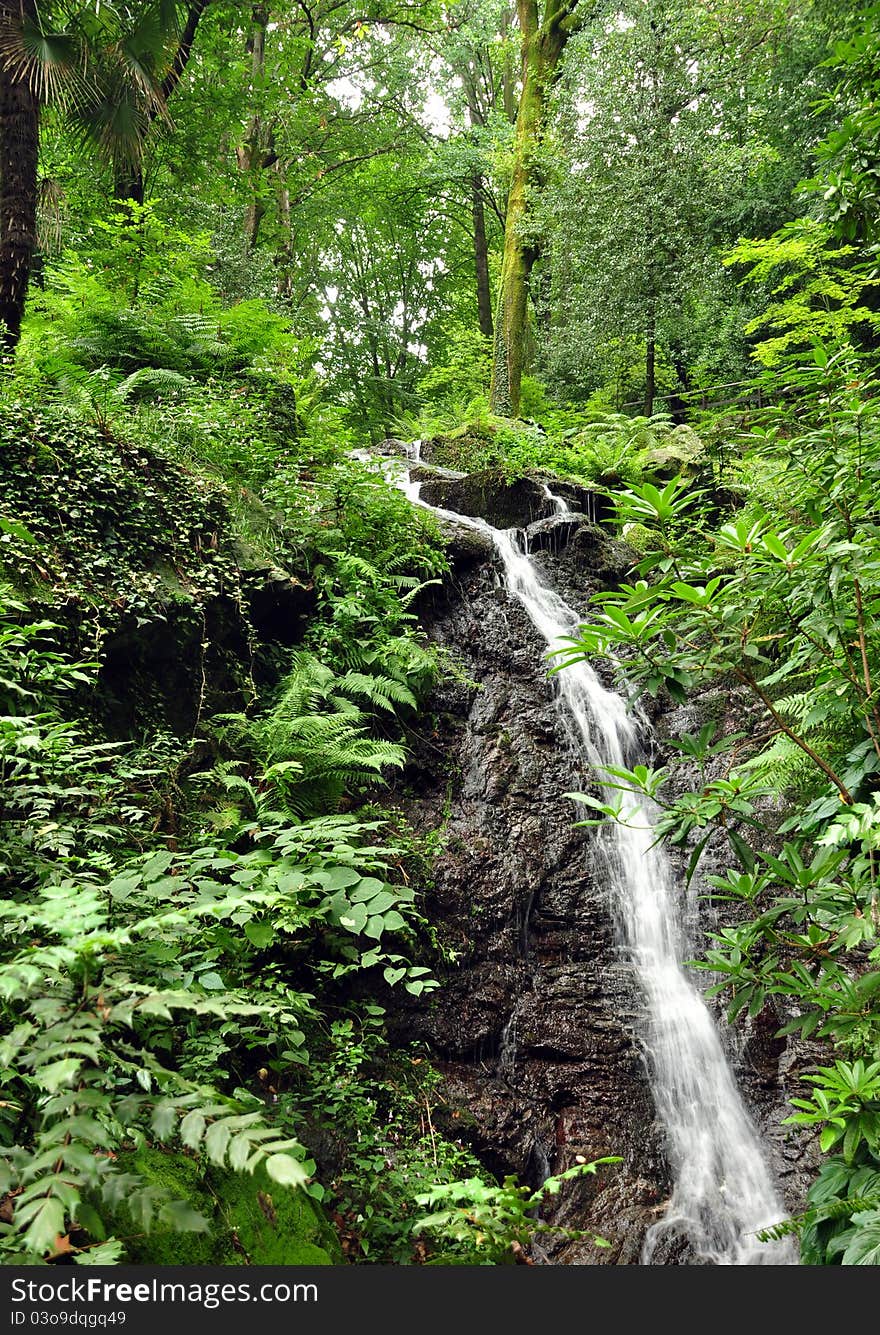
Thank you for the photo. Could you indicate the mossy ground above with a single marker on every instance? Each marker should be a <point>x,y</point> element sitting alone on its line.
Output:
<point>254,1221</point>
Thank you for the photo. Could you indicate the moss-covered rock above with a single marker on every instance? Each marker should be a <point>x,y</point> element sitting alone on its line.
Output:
<point>139,558</point>
<point>253,1220</point>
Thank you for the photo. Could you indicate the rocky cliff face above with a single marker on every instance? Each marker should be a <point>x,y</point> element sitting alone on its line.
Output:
<point>536,1026</point>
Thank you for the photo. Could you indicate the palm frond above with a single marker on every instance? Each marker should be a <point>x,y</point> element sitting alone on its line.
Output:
<point>52,64</point>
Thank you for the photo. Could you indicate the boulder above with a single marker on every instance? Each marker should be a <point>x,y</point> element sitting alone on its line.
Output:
<point>279,604</point>
<point>465,546</point>
<point>552,534</point>
<point>489,495</point>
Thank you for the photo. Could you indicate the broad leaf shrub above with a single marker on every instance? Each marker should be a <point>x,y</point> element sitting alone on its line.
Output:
<point>494,1224</point>
<point>779,599</point>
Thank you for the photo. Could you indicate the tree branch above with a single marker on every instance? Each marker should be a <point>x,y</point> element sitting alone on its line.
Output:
<point>184,47</point>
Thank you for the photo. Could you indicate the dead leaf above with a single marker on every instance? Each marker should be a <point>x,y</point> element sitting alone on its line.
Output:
<point>62,1245</point>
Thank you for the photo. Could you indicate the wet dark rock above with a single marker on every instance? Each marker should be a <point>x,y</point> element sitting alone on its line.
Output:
<point>489,495</point>
<point>533,1028</point>
<point>553,533</point>
<point>607,560</point>
<point>465,547</point>
<point>430,472</point>
<point>391,447</point>
<point>593,505</point>
<point>279,604</point>
<point>536,1026</point>
<point>178,661</point>
<point>509,503</point>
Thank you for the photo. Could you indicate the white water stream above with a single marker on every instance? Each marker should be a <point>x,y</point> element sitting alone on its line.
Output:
<point>723,1190</point>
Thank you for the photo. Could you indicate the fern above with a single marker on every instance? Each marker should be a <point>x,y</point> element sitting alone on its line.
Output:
<point>833,1210</point>
<point>315,742</point>
<point>821,718</point>
<point>152,383</point>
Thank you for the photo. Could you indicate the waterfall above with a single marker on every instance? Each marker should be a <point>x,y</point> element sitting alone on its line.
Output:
<point>560,507</point>
<point>723,1191</point>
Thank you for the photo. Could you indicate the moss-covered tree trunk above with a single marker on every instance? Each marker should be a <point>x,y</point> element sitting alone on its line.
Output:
<point>543,41</point>
<point>650,357</point>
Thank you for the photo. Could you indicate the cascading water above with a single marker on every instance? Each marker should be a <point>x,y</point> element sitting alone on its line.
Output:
<point>723,1191</point>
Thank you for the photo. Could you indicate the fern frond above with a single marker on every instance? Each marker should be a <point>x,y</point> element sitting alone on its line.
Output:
<point>842,1208</point>
<point>151,382</point>
<point>384,692</point>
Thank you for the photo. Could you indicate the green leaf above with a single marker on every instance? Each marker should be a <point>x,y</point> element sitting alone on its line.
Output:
<point>181,1216</point>
<point>260,934</point>
<point>216,1141</point>
<point>192,1128</point>
<point>828,1136</point>
<point>45,1226</point>
<point>288,1171</point>
<point>16,530</point>
<point>354,919</point>
<point>743,852</point>
<point>337,878</point>
<point>88,1218</point>
<point>864,1245</point>
<point>59,1073</point>
<point>775,546</point>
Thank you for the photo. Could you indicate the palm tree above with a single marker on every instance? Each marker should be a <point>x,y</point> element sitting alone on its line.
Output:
<point>111,69</point>
<point>19,151</point>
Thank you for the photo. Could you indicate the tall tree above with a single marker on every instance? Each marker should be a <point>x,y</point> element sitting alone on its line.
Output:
<point>674,131</point>
<point>112,70</point>
<point>19,150</point>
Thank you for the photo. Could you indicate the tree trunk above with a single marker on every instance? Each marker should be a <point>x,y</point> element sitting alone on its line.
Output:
<point>542,47</point>
<point>255,154</point>
<point>128,183</point>
<point>650,361</point>
<point>678,403</point>
<point>19,148</point>
<point>508,84</point>
<point>481,258</point>
<point>286,250</point>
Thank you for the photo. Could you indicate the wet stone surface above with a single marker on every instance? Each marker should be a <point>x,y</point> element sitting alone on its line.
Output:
<point>536,1026</point>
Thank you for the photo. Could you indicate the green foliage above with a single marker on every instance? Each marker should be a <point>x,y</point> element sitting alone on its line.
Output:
<point>251,1218</point>
<point>314,740</point>
<point>597,448</point>
<point>104,518</point>
<point>451,387</point>
<point>142,299</point>
<point>486,1224</point>
<point>607,450</point>
<point>839,1227</point>
<point>782,600</point>
<point>140,991</point>
<point>653,164</point>
<point>846,1103</point>
<point>374,1108</point>
<point>817,292</point>
<point>846,183</point>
